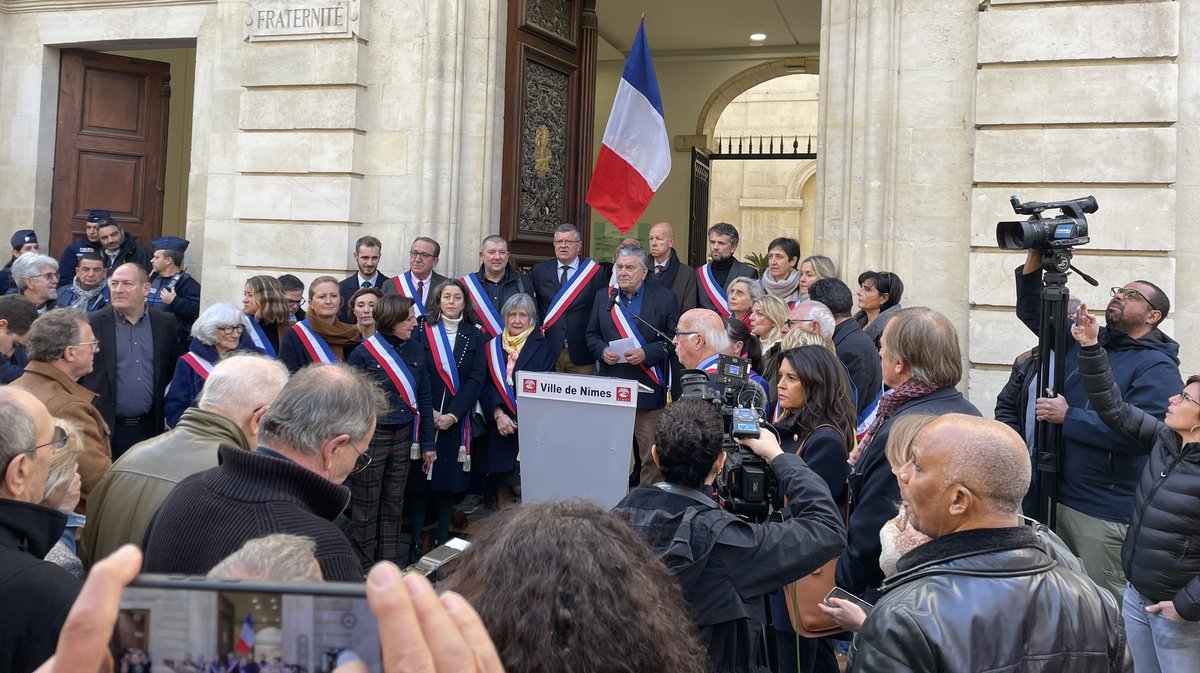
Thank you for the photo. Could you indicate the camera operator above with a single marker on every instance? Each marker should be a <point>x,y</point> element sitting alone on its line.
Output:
<point>725,564</point>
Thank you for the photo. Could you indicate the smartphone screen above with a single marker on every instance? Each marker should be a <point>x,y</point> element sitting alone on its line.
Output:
<point>216,626</point>
<point>838,592</point>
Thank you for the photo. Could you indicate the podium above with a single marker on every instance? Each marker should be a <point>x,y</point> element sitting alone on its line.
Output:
<point>575,435</point>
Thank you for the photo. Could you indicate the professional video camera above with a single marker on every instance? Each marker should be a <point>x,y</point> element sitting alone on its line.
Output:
<point>747,486</point>
<point>1056,233</point>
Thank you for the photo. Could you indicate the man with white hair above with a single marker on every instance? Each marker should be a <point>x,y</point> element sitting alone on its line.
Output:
<point>981,593</point>
<point>313,436</point>
<point>699,339</point>
<point>812,316</point>
<point>36,278</point>
<point>235,396</point>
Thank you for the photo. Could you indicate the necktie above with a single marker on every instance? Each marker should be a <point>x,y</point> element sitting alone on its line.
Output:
<point>366,284</point>
<point>421,290</point>
<point>562,279</point>
<point>658,269</point>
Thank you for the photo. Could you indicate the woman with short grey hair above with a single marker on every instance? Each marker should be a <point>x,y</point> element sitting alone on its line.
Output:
<point>36,278</point>
<point>219,331</point>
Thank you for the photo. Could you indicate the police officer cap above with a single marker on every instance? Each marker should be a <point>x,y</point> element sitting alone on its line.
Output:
<point>22,238</point>
<point>97,215</point>
<point>170,243</point>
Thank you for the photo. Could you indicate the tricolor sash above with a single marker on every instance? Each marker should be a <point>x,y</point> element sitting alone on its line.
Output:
<point>443,355</point>
<point>709,365</point>
<point>716,293</point>
<point>627,331</point>
<point>489,314</point>
<point>569,291</point>
<point>259,337</point>
<point>777,415</point>
<point>199,365</point>
<point>405,286</point>
<point>402,378</point>
<point>497,362</point>
<point>318,350</point>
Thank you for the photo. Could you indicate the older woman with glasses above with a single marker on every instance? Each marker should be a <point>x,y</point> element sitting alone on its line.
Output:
<point>219,331</point>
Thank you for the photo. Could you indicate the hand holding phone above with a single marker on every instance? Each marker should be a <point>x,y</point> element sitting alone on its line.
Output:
<point>843,607</point>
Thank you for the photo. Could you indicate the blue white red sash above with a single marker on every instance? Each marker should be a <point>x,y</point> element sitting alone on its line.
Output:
<point>199,365</point>
<point>716,293</point>
<point>777,415</point>
<point>401,376</point>
<point>405,286</point>
<point>628,332</point>
<point>489,314</point>
<point>259,337</point>
<point>710,364</point>
<point>318,350</point>
<point>568,292</point>
<point>443,355</point>
<point>497,362</point>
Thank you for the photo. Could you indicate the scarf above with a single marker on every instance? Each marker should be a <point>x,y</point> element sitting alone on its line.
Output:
<point>513,343</point>
<point>342,338</point>
<point>787,289</point>
<point>888,405</point>
<point>84,298</point>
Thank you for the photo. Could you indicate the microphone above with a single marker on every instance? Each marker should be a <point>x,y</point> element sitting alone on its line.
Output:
<point>642,320</point>
<point>612,297</point>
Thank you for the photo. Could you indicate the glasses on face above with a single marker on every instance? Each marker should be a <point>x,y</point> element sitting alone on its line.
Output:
<point>1132,294</point>
<point>414,254</point>
<point>1184,397</point>
<point>564,242</point>
<point>294,303</point>
<point>681,335</point>
<point>59,441</point>
<point>52,275</point>
<point>792,322</point>
<point>94,344</point>
<point>362,461</point>
<point>230,330</point>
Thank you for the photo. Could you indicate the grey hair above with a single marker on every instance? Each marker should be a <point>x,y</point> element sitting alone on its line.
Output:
<point>637,253</point>
<point>520,300</point>
<point>319,403</point>
<point>715,336</point>
<point>209,324</point>
<point>53,332</point>
<point>565,228</point>
<point>29,265</point>
<point>820,313</point>
<point>17,431</point>
<point>242,383</point>
<point>63,464</point>
<point>752,287</point>
<point>275,558</point>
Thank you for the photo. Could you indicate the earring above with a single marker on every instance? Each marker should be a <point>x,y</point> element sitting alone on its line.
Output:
<point>1194,428</point>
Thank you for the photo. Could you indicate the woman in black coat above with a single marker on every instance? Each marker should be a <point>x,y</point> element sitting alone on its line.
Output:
<point>520,347</point>
<point>815,418</point>
<point>1161,554</point>
<point>454,363</point>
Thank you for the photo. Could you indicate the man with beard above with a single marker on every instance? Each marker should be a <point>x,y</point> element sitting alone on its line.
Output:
<point>367,252</point>
<point>1100,468</point>
<point>712,279</point>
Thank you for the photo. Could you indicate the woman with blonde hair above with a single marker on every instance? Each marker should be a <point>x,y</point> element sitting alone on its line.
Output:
<point>62,492</point>
<point>265,305</point>
<point>320,337</point>
<point>766,324</point>
<point>814,268</point>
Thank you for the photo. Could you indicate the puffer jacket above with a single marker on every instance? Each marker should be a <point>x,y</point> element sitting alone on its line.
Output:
<point>990,600</point>
<point>1161,554</point>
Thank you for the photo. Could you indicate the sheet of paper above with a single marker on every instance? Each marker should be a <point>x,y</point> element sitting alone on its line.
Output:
<point>621,345</point>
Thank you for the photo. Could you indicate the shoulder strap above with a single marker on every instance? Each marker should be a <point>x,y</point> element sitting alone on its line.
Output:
<point>800,449</point>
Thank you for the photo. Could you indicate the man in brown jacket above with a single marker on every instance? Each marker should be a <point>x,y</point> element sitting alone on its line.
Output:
<point>61,349</point>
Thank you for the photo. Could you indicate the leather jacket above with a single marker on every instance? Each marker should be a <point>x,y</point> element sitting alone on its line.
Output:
<point>990,600</point>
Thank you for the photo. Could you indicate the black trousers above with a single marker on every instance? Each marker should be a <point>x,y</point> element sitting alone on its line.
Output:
<point>129,431</point>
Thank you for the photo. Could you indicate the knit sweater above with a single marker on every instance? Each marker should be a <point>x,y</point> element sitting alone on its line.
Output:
<point>210,515</point>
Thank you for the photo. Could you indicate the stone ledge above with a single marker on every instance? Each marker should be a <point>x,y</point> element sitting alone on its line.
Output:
<point>1083,155</point>
<point>1080,31</point>
<point>1118,93</point>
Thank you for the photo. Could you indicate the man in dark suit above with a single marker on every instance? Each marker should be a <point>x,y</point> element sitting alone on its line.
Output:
<point>495,283</point>
<point>138,350</point>
<point>565,318</point>
<point>420,278</point>
<point>668,270</point>
<point>613,319</point>
<point>854,348</point>
<point>713,278</point>
<point>367,251</point>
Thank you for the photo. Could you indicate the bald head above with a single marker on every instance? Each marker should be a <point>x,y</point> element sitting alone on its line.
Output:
<point>701,334</point>
<point>24,424</point>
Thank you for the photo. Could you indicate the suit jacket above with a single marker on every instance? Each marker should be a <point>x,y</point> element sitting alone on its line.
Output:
<point>738,270</point>
<point>571,328</point>
<point>659,308</point>
<point>435,279</point>
<point>103,379</point>
<point>348,287</point>
<point>857,351</point>
<point>680,279</point>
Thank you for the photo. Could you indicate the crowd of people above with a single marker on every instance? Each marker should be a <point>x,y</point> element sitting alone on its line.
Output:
<point>343,410</point>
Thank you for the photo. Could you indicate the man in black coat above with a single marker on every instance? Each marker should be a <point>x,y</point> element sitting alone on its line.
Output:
<point>314,435</point>
<point>494,284</point>
<point>172,289</point>
<point>138,350</point>
<point>420,278</point>
<point>714,277</point>
<point>667,270</point>
<point>855,349</point>
<point>367,252</point>
<point>922,363</point>
<point>979,595</point>
<point>648,363</point>
<point>121,248</point>
<point>568,284</point>
<point>35,593</point>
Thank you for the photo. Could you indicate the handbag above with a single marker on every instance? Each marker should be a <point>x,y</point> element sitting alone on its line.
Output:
<point>803,595</point>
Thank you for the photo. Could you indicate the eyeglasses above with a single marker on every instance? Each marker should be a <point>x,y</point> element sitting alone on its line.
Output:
<point>230,330</point>
<point>565,242</point>
<point>790,322</point>
<point>1130,293</point>
<point>295,303</point>
<point>95,344</point>
<point>362,461</point>
<point>1184,397</point>
<point>52,275</point>
<point>59,441</point>
<point>423,255</point>
<point>680,335</point>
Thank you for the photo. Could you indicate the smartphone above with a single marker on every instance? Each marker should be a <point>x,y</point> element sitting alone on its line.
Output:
<point>838,592</point>
<point>190,623</point>
<point>1079,316</point>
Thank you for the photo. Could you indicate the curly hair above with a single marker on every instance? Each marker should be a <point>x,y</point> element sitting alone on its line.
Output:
<point>433,308</point>
<point>568,587</point>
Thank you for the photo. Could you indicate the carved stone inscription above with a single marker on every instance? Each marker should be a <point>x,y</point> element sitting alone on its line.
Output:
<point>543,149</point>
<point>272,21</point>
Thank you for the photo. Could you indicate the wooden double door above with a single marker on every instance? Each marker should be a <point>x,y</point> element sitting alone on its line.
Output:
<point>110,149</point>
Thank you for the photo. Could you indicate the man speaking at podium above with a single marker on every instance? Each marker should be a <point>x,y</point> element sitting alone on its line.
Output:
<point>628,335</point>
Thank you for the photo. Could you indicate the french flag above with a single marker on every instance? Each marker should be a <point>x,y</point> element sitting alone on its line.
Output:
<point>635,156</point>
<point>245,642</point>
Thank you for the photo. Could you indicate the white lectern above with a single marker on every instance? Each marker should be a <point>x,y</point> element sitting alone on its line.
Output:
<point>575,434</point>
